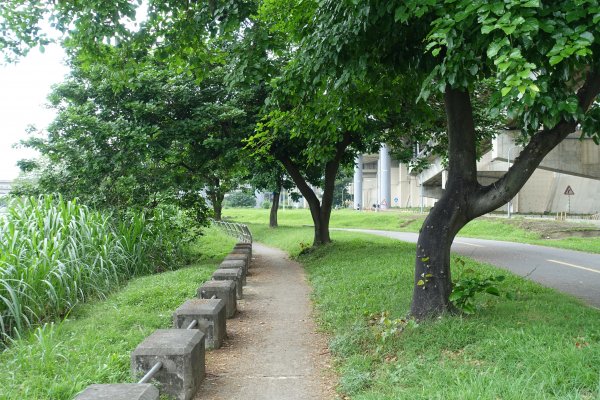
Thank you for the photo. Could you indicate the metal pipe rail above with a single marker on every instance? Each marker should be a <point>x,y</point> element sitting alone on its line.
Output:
<point>234,229</point>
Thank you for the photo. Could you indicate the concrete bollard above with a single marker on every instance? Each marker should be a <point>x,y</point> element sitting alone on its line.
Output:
<point>244,246</point>
<point>243,257</point>
<point>224,290</point>
<point>233,264</point>
<point>246,252</point>
<point>231,274</point>
<point>237,249</point>
<point>210,314</point>
<point>181,352</point>
<point>119,391</point>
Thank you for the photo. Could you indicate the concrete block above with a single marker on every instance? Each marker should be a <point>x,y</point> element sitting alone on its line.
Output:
<point>233,264</point>
<point>243,257</point>
<point>246,252</point>
<point>224,290</point>
<point>182,353</point>
<point>244,246</point>
<point>119,391</point>
<point>231,274</point>
<point>210,314</point>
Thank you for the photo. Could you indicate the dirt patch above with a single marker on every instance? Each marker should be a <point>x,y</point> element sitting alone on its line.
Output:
<point>553,229</point>
<point>407,222</point>
<point>568,234</point>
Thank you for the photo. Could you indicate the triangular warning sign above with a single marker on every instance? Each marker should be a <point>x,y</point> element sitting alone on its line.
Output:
<point>569,191</point>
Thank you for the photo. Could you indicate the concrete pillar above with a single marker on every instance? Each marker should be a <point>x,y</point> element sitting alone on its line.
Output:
<point>385,178</point>
<point>231,274</point>
<point>358,181</point>
<point>209,315</point>
<point>235,264</point>
<point>242,245</point>
<point>225,290</point>
<point>444,178</point>
<point>181,352</point>
<point>245,257</point>
<point>260,199</point>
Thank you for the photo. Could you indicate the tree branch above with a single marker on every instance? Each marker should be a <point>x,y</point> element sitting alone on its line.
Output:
<point>294,172</point>
<point>495,195</point>
<point>331,170</point>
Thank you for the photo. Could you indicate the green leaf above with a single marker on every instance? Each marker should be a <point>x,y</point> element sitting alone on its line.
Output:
<point>487,29</point>
<point>400,14</point>
<point>494,48</point>
<point>505,90</point>
<point>468,308</point>
<point>555,59</point>
<point>531,4</point>
<point>589,36</point>
<point>509,29</point>
<point>425,259</point>
<point>420,282</point>
<point>493,291</point>
<point>456,295</point>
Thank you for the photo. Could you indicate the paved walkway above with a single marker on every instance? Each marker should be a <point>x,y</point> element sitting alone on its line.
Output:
<point>273,350</point>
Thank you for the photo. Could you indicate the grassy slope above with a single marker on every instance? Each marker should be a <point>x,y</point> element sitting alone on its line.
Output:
<point>94,344</point>
<point>541,345</point>
<point>484,228</point>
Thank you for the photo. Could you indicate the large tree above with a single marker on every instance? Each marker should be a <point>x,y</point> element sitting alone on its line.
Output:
<point>540,57</point>
<point>161,136</point>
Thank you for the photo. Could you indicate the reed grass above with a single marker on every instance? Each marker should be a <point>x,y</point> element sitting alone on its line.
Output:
<point>56,253</point>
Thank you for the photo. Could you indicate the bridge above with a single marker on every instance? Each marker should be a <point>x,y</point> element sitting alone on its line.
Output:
<point>574,163</point>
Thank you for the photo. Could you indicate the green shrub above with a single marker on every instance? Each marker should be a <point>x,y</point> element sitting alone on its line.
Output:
<point>241,199</point>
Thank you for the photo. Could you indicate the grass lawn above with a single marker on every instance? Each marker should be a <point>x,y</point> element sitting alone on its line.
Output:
<point>539,345</point>
<point>517,229</point>
<point>93,344</point>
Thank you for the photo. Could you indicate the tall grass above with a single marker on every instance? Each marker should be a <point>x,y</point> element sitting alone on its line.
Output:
<point>56,253</point>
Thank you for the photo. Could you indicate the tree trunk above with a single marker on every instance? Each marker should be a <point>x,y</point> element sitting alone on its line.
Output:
<point>321,234</point>
<point>216,198</point>
<point>218,207</point>
<point>433,281</point>
<point>320,211</point>
<point>274,209</point>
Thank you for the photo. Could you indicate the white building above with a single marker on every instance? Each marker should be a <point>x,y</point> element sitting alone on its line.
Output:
<point>574,164</point>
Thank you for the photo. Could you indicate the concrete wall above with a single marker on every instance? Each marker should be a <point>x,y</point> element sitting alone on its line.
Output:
<point>573,156</point>
<point>586,199</point>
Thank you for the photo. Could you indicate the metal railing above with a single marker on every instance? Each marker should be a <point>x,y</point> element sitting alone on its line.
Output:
<point>234,229</point>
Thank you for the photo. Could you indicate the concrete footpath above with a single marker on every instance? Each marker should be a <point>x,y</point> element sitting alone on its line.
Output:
<point>273,350</point>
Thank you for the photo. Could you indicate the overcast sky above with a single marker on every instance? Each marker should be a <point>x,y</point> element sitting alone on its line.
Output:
<point>23,90</point>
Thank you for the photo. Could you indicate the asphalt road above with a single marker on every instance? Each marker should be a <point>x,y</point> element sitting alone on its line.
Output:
<point>569,271</point>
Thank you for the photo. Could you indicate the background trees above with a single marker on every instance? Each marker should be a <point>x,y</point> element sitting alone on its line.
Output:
<point>163,137</point>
